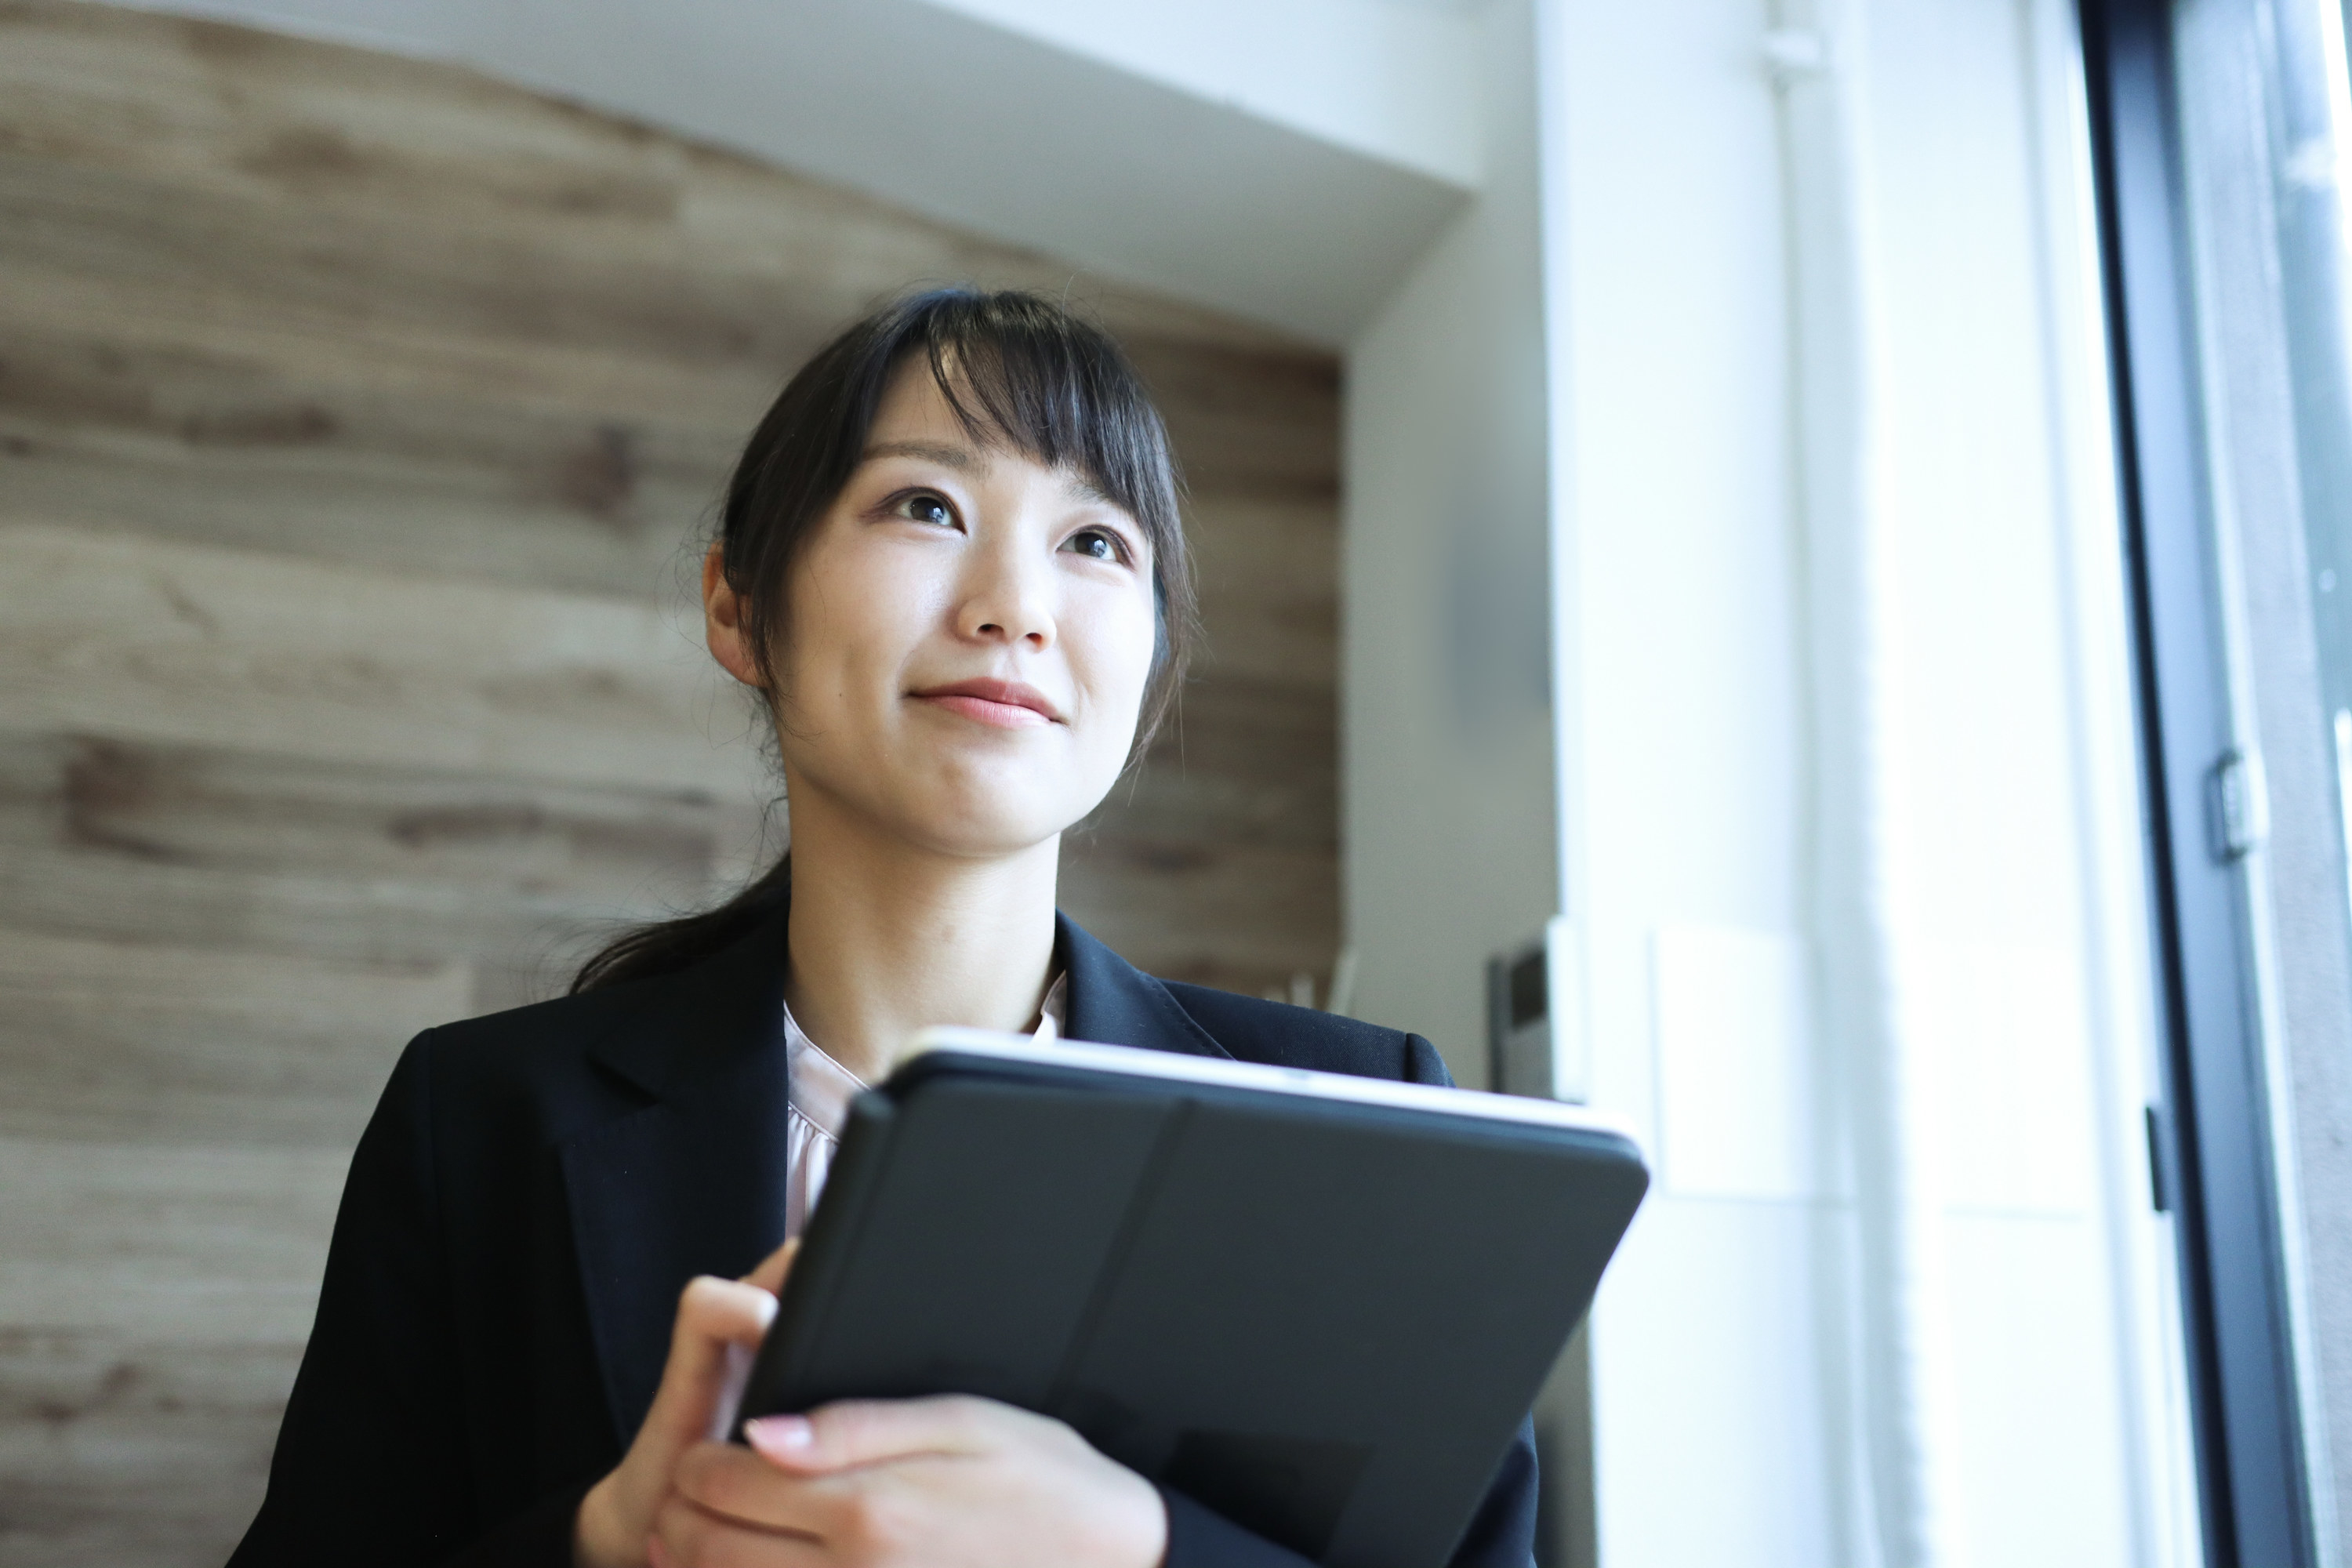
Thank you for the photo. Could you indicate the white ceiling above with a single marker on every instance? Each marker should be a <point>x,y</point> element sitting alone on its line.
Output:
<point>1284,160</point>
<point>1392,79</point>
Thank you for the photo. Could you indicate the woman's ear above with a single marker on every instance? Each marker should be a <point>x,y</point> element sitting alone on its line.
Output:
<point>722,622</point>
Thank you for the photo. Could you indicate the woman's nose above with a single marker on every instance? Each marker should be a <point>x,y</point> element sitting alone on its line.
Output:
<point>1009,597</point>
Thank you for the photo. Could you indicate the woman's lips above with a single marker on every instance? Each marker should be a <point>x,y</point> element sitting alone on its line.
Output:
<point>1006,704</point>
<point>1010,715</point>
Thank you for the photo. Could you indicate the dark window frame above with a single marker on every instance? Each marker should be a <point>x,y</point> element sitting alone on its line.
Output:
<point>2211,1134</point>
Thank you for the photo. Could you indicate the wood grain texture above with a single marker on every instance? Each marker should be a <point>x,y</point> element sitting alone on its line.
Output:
<point>148,641</point>
<point>118,1448</point>
<point>360,420</point>
<point>117,1042</point>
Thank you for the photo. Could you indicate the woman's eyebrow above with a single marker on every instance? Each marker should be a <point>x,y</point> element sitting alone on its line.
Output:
<point>963,459</point>
<point>1082,489</point>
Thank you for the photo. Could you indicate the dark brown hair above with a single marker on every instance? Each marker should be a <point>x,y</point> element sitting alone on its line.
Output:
<point>1021,372</point>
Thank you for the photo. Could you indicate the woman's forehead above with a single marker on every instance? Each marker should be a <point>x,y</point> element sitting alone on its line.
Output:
<point>914,404</point>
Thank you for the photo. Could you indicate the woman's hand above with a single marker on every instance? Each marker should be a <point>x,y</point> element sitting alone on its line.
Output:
<point>951,1482</point>
<point>720,1322</point>
<point>948,1483</point>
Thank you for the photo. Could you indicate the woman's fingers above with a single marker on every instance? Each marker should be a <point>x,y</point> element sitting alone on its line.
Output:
<point>730,1482</point>
<point>715,1317</point>
<point>870,1431</point>
<point>718,1321</point>
<point>684,1537</point>
<point>923,1480</point>
<point>727,1506</point>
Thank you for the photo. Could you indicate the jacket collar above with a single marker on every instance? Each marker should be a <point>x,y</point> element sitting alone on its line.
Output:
<point>704,1018</point>
<point>700,1020</point>
<point>693,1182</point>
<point>1113,1002</point>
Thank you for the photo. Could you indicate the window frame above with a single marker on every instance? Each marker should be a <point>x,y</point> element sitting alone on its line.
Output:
<point>2211,1141</point>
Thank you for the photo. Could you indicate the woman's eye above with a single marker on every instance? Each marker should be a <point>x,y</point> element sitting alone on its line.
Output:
<point>1095,542</point>
<point>927,508</point>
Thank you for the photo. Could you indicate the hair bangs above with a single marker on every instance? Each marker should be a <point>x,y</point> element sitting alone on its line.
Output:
<point>1024,380</point>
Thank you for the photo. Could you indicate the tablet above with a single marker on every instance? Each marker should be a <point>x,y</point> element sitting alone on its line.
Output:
<point>1319,1305</point>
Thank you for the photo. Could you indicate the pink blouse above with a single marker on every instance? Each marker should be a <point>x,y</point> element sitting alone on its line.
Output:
<point>822,1090</point>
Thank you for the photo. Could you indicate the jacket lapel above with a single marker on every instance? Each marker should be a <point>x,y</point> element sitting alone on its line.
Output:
<point>1113,1002</point>
<point>692,1183</point>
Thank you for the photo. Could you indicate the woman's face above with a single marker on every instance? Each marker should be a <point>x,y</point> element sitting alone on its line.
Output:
<point>967,637</point>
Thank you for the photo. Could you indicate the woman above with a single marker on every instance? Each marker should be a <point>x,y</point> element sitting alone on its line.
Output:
<point>950,564</point>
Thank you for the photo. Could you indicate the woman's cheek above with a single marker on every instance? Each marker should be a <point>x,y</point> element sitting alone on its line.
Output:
<point>1121,710</point>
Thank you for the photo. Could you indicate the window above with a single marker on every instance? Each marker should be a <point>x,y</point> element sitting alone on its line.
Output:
<point>2221,127</point>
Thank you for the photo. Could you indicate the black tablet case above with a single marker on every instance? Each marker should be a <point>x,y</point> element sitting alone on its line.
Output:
<point>1323,1319</point>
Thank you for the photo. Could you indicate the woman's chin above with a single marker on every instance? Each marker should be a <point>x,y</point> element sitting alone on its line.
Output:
<point>979,842</point>
<point>965,818</point>
<point>1003,802</point>
<point>962,804</point>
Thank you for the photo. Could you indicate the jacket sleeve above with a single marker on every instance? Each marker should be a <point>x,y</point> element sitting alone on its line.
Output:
<point>1502,1534</point>
<point>369,1466</point>
<point>539,1537</point>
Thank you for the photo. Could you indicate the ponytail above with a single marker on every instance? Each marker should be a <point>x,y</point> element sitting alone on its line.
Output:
<point>666,946</point>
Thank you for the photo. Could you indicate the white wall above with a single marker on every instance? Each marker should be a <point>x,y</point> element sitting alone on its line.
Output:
<point>1396,82</point>
<point>1446,800</point>
<point>2035,1000</point>
<point>1719,1381</point>
<point>1447,807</point>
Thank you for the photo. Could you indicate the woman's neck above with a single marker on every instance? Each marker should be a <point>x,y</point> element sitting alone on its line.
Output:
<point>885,938</point>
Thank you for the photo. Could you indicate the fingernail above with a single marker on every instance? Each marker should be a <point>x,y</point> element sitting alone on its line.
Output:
<point>781,1434</point>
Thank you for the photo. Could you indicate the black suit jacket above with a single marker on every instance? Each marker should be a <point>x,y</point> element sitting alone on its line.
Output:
<point>536,1188</point>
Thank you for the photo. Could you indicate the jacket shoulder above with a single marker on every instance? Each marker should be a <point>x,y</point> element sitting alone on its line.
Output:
<point>568,1020</point>
<point>536,1059</point>
<point>1279,1034</point>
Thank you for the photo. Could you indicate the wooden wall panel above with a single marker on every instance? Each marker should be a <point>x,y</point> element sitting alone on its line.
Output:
<point>127,1043</point>
<point>142,638</point>
<point>117,1450</point>
<point>359,420</point>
